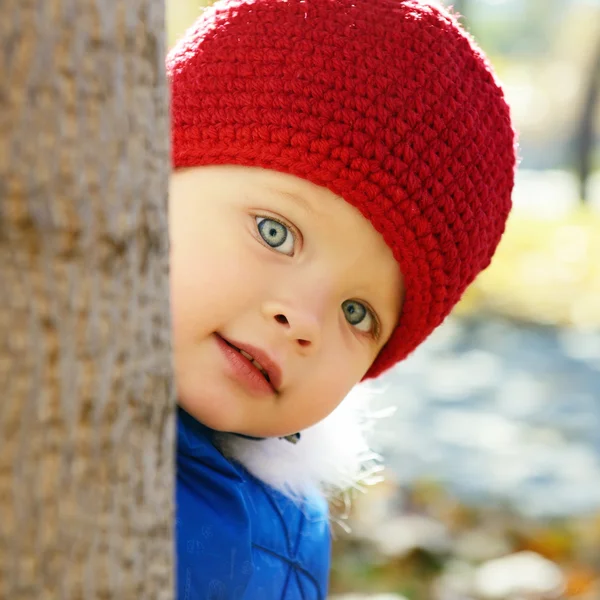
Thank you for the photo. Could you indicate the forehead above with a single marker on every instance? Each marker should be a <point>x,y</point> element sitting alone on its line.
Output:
<point>313,199</point>
<point>329,211</point>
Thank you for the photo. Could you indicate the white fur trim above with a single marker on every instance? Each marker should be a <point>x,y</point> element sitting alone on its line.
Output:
<point>331,456</point>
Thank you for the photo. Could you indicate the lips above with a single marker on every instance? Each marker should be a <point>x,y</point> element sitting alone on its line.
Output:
<point>260,359</point>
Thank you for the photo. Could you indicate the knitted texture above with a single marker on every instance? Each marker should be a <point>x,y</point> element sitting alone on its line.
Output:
<point>387,103</point>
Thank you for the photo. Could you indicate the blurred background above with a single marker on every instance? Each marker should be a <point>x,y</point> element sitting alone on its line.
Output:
<point>492,487</point>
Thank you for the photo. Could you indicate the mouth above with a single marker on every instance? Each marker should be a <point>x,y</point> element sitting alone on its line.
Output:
<point>267,367</point>
<point>251,359</point>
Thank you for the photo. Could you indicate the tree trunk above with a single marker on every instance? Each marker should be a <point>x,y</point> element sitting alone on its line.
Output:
<point>87,404</point>
<point>585,134</point>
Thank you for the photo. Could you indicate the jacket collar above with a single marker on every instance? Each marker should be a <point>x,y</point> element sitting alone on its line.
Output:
<point>195,447</point>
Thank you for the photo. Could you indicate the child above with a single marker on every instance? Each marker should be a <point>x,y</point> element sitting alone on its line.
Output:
<point>343,170</point>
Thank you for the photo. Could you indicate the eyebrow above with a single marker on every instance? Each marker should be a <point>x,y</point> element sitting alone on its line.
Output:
<point>296,198</point>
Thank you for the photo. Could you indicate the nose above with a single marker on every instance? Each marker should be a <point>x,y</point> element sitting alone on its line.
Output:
<point>300,325</point>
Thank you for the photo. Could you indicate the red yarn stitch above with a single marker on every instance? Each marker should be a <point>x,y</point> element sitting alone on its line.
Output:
<point>388,103</point>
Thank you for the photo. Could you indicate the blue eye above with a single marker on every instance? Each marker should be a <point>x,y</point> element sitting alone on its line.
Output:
<point>358,315</point>
<point>276,235</point>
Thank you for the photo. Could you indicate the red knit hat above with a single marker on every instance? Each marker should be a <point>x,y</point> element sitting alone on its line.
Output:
<point>387,103</point>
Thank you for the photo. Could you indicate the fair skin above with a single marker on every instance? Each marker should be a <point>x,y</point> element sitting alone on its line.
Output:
<point>291,272</point>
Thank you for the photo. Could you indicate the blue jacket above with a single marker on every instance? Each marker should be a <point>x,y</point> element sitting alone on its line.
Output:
<point>236,537</point>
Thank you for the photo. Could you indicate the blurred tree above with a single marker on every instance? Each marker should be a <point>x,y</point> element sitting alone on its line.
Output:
<point>585,131</point>
<point>86,415</point>
<point>460,6</point>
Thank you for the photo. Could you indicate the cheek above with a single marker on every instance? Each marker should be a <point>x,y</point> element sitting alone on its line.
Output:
<point>337,378</point>
<point>213,281</point>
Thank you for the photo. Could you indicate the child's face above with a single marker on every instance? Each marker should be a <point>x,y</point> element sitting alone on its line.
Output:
<point>289,271</point>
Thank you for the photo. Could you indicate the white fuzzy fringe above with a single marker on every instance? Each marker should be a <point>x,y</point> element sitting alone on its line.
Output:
<point>331,456</point>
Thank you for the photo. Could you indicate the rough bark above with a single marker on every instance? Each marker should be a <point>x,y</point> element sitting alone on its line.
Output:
<point>87,403</point>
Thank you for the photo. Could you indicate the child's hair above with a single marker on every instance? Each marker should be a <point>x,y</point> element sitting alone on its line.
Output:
<point>388,103</point>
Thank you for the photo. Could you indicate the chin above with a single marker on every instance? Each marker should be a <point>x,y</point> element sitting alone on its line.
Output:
<point>230,417</point>
<point>213,414</point>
